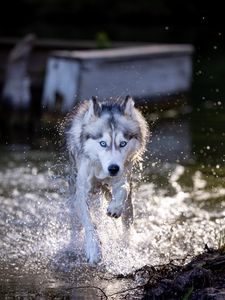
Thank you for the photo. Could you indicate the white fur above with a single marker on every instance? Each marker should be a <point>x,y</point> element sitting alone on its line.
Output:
<point>90,162</point>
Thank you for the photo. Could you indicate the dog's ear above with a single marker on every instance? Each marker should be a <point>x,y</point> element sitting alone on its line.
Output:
<point>94,109</point>
<point>128,105</point>
<point>96,106</point>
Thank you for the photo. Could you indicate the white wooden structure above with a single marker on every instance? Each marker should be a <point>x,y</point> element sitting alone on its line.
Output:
<point>16,88</point>
<point>144,72</point>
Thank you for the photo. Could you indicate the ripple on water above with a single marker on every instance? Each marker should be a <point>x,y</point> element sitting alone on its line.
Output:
<point>171,222</point>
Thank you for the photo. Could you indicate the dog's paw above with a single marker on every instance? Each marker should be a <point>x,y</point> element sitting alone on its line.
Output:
<point>114,210</point>
<point>93,250</point>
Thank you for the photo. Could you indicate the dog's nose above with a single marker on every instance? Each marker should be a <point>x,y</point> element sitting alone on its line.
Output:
<point>113,170</point>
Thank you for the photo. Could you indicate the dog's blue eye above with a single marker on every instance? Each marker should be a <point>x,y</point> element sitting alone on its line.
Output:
<point>123,144</point>
<point>103,144</point>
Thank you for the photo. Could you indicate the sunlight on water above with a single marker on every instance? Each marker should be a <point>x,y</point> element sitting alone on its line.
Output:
<point>172,221</point>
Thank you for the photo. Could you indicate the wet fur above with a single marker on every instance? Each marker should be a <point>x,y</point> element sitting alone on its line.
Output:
<point>112,121</point>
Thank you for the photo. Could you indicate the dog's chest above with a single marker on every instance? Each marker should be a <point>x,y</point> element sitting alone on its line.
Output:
<point>100,187</point>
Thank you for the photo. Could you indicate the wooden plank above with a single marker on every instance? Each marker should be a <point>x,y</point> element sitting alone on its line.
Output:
<point>62,80</point>
<point>141,78</point>
<point>144,72</point>
<point>131,52</point>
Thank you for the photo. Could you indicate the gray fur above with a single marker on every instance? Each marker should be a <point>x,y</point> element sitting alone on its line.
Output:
<point>90,124</point>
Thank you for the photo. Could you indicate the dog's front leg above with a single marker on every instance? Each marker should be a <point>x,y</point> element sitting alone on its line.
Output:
<point>83,187</point>
<point>120,191</point>
<point>128,214</point>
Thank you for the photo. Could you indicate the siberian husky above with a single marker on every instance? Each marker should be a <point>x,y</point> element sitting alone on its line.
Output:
<point>104,140</point>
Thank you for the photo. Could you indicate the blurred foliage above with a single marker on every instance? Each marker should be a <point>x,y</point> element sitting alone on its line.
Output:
<point>102,40</point>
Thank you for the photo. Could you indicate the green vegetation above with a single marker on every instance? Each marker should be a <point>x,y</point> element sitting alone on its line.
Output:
<point>102,40</point>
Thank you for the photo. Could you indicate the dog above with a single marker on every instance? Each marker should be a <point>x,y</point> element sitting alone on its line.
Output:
<point>105,139</point>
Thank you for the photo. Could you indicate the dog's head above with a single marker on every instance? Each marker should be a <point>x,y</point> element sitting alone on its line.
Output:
<point>114,134</point>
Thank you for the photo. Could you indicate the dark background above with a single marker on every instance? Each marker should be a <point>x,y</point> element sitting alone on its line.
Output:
<point>130,20</point>
<point>135,20</point>
<point>200,23</point>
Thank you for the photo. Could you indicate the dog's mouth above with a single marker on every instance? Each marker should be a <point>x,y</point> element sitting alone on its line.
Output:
<point>113,175</point>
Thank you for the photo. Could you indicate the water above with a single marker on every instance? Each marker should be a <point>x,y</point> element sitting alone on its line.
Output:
<point>179,207</point>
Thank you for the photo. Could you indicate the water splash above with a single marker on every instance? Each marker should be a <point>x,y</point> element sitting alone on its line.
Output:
<point>172,221</point>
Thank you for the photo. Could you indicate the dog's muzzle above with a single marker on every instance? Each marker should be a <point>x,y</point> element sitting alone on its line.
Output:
<point>113,170</point>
